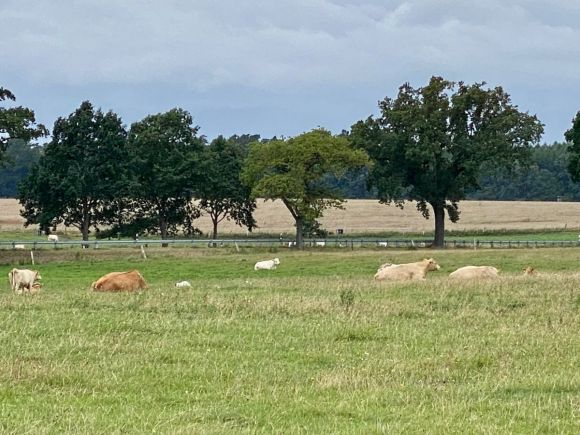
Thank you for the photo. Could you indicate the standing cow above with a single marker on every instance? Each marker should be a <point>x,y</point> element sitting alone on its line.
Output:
<point>24,279</point>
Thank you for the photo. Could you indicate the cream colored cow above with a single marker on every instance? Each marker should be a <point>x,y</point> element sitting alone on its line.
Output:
<point>406,272</point>
<point>475,272</point>
<point>24,279</point>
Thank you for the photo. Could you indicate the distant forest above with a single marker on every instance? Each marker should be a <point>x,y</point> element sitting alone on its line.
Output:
<point>546,179</point>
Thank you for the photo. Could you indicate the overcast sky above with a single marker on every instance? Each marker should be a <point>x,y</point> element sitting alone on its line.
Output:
<point>282,67</point>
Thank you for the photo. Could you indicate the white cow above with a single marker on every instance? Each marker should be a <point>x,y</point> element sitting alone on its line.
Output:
<point>383,244</point>
<point>291,244</point>
<point>475,272</point>
<point>182,284</point>
<point>409,271</point>
<point>52,238</point>
<point>23,278</point>
<point>267,264</point>
<point>17,246</point>
<point>385,265</point>
<point>320,244</point>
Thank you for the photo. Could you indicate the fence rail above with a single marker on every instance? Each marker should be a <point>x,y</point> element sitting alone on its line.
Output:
<point>286,243</point>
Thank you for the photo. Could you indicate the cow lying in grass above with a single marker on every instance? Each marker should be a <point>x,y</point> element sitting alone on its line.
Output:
<point>407,271</point>
<point>267,264</point>
<point>120,281</point>
<point>530,271</point>
<point>475,272</point>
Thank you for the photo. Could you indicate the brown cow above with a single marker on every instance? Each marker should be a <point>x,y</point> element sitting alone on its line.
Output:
<point>120,281</point>
<point>530,271</point>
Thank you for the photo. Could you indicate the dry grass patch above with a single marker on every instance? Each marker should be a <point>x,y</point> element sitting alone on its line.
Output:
<point>369,216</point>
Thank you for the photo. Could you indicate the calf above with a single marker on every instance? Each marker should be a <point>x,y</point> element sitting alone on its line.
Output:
<point>267,264</point>
<point>23,278</point>
<point>530,271</point>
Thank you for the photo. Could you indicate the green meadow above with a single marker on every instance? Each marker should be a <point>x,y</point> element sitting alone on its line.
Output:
<point>315,346</point>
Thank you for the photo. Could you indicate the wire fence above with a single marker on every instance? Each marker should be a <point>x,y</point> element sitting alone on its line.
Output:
<point>289,244</point>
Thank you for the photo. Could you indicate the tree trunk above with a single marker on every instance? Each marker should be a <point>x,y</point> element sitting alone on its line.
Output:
<point>215,222</point>
<point>86,221</point>
<point>439,212</point>
<point>85,232</point>
<point>299,231</point>
<point>163,231</point>
<point>85,226</point>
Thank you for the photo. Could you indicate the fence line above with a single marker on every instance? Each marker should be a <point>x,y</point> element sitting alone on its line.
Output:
<point>290,244</point>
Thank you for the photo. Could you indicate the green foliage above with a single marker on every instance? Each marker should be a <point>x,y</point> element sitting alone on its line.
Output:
<point>430,143</point>
<point>221,194</point>
<point>347,297</point>
<point>20,157</point>
<point>294,171</point>
<point>81,172</point>
<point>164,154</point>
<point>546,178</point>
<point>573,136</point>
<point>17,123</point>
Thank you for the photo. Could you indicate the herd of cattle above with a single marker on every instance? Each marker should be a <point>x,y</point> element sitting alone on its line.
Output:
<point>417,271</point>
<point>25,280</point>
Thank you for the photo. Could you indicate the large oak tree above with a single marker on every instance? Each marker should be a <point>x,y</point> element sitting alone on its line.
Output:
<point>80,174</point>
<point>294,171</point>
<point>221,194</point>
<point>429,144</point>
<point>164,153</point>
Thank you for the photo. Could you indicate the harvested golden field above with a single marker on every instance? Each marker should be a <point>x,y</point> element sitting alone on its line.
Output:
<point>370,216</point>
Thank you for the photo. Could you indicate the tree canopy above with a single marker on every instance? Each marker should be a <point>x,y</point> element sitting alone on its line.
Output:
<point>80,173</point>
<point>19,158</point>
<point>573,136</point>
<point>164,153</point>
<point>221,194</point>
<point>294,170</point>
<point>17,123</point>
<point>429,144</point>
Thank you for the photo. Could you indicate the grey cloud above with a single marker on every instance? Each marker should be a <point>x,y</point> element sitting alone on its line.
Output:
<point>276,53</point>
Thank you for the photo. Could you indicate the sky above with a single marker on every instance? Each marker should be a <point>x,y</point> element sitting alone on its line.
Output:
<point>283,67</point>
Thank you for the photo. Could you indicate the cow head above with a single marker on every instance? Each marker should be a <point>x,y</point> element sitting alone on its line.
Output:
<point>431,264</point>
<point>276,261</point>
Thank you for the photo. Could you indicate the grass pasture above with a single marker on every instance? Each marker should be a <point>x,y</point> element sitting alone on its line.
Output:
<point>313,347</point>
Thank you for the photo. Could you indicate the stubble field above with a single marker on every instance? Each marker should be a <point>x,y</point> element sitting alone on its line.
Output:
<point>368,216</point>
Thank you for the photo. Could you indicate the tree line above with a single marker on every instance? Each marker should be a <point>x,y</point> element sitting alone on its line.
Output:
<point>545,178</point>
<point>437,145</point>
